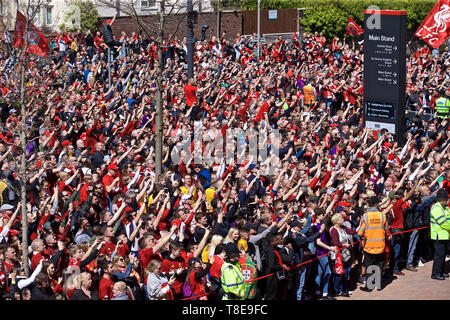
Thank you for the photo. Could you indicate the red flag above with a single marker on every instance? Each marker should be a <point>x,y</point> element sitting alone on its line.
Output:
<point>37,43</point>
<point>338,265</point>
<point>333,44</point>
<point>353,29</point>
<point>435,29</point>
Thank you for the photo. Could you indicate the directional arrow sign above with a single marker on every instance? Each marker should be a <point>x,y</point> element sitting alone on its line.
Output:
<point>385,71</point>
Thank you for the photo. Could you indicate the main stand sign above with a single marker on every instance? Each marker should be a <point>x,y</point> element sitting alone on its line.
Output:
<point>385,71</point>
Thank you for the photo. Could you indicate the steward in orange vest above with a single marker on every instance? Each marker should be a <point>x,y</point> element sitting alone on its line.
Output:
<point>309,95</point>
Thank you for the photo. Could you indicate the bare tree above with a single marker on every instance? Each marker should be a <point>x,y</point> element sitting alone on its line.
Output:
<point>30,10</point>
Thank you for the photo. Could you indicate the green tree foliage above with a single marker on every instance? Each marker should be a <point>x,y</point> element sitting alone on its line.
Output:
<point>327,18</point>
<point>331,16</point>
<point>88,16</point>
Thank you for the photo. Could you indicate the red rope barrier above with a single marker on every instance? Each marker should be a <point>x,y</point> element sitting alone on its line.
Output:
<point>306,262</point>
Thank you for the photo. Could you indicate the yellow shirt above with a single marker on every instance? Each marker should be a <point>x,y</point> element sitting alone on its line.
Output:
<point>210,194</point>
<point>149,202</point>
<point>205,253</point>
<point>185,190</point>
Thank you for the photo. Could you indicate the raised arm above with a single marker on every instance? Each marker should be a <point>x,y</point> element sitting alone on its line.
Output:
<point>163,241</point>
<point>202,243</point>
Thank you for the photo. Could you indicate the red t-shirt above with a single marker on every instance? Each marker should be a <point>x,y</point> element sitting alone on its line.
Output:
<point>189,92</point>
<point>84,193</point>
<point>147,255</point>
<point>197,287</point>
<point>216,267</point>
<point>123,250</point>
<point>8,266</point>
<point>107,249</point>
<point>37,257</point>
<point>107,181</point>
<point>397,219</point>
<point>264,109</point>
<point>105,289</point>
<point>172,265</point>
<point>446,185</point>
<point>74,262</point>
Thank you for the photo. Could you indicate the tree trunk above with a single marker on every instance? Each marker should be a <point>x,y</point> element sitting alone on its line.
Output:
<point>23,163</point>
<point>159,94</point>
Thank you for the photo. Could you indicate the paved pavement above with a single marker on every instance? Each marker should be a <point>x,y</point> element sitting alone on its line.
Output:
<point>412,286</point>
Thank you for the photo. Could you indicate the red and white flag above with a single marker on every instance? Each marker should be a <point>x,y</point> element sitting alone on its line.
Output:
<point>333,44</point>
<point>353,29</point>
<point>37,43</point>
<point>338,264</point>
<point>435,29</point>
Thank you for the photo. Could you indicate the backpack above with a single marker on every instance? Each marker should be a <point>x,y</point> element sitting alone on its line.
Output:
<point>187,290</point>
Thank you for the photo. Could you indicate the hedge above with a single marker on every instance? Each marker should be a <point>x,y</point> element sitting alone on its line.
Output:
<point>331,16</point>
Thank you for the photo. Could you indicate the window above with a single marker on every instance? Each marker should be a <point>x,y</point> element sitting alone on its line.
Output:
<point>37,17</point>
<point>48,15</point>
<point>148,4</point>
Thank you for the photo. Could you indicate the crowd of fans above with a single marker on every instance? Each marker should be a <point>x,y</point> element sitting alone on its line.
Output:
<point>102,225</point>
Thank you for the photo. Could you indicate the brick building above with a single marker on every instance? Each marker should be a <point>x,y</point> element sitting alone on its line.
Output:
<point>230,23</point>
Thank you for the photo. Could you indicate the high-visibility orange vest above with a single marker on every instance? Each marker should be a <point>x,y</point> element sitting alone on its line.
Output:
<point>308,93</point>
<point>373,232</point>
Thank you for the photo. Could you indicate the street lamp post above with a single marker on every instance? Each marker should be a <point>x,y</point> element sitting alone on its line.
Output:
<point>218,19</point>
<point>109,68</point>
<point>259,28</point>
<point>190,39</point>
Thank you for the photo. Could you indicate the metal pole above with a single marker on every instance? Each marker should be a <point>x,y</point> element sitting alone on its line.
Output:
<point>259,28</point>
<point>190,42</point>
<point>218,19</point>
<point>109,68</point>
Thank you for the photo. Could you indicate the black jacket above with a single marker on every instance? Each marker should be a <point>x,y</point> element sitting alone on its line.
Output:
<point>300,246</point>
<point>39,294</point>
<point>273,263</point>
<point>80,295</point>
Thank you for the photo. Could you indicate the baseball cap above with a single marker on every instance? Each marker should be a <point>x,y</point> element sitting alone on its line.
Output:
<point>66,143</point>
<point>339,209</point>
<point>231,248</point>
<point>113,166</point>
<point>193,260</point>
<point>6,207</point>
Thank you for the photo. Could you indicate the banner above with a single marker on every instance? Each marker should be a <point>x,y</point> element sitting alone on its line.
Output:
<point>435,29</point>
<point>338,264</point>
<point>37,43</point>
<point>333,44</point>
<point>353,29</point>
<point>249,272</point>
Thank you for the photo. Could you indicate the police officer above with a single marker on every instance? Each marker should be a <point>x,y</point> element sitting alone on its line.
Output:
<point>232,279</point>
<point>440,233</point>
<point>443,105</point>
